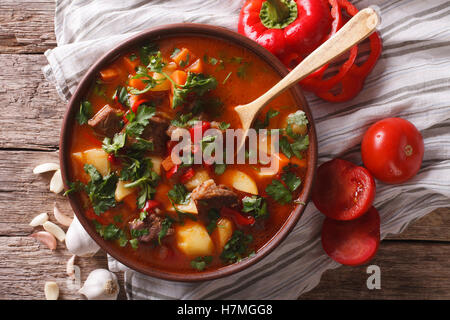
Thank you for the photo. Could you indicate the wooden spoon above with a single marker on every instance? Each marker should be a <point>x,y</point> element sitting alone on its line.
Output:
<point>358,28</point>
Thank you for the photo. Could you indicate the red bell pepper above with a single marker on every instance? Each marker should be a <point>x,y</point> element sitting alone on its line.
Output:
<point>237,217</point>
<point>172,171</point>
<point>201,127</point>
<point>150,204</point>
<point>113,159</point>
<point>187,175</point>
<point>286,26</point>
<point>351,82</point>
<point>137,103</point>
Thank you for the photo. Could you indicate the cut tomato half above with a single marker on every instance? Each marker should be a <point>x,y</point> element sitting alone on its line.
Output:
<point>352,243</point>
<point>343,190</point>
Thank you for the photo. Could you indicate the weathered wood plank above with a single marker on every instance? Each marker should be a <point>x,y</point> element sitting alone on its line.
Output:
<point>26,265</point>
<point>33,111</point>
<point>409,270</point>
<point>26,26</point>
<point>438,221</point>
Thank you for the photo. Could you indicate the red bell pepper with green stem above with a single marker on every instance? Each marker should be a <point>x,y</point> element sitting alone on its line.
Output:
<point>286,26</point>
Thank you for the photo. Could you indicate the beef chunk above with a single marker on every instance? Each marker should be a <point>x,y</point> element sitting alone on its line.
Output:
<point>155,132</point>
<point>208,195</point>
<point>106,122</point>
<point>154,224</point>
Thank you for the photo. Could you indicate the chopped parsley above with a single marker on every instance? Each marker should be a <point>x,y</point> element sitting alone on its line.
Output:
<point>213,217</point>
<point>184,120</point>
<point>100,189</point>
<point>140,173</point>
<point>256,206</point>
<point>111,232</point>
<point>179,194</point>
<point>139,120</point>
<point>200,263</point>
<point>133,57</point>
<point>197,83</point>
<point>224,125</point>
<point>184,63</point>
<point>279,192</point>
<point>146,51</point>
<point>264,124</point>
<point>85,112</point>
<point>117,143</point>
<point>290,179</point>
<point>237,247</point>
<point>175,52</point>
<point>219,168</point>
<point>143,75</point>
<point>165,226</point>
<point>226,78</point>
<point>121,95</point>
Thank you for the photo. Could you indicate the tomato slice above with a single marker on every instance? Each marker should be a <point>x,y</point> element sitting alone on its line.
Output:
<point>352,243</point>
<point>343,190</point>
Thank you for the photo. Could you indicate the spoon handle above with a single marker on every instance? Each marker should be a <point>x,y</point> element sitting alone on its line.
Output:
<point>358,28</point>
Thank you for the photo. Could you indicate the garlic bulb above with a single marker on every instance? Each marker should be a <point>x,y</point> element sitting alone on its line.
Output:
<point>51,290</point>
<point>45,167</point>
<point>40,219</point>
<point>101,284</point>
<point>56,183</point>
<point>78,241</point>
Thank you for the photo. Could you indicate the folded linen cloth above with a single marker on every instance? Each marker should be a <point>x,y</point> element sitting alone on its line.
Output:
<point>410,81</point>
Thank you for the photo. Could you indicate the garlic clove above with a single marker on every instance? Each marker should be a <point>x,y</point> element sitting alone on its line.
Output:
<point>40,219</point>
<point>55,230</point>
<point>56,183</point>
<point>78,241</point>
<point>70,270</point>
<point>61,218</point>
<point>51,290</point>
<point>45,238</point>
<point>45,167</point>
<point>101,284</point>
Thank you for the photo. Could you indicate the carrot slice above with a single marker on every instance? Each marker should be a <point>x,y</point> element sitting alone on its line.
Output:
<point>109,74</point>
<point>353,242</point>
<point>184,58</point>
<point>299,162</point>
<point>196,67</point>
<point>130,201</point>
<point>130,64</point>
<point>179,77</point>
<point>137,83</point>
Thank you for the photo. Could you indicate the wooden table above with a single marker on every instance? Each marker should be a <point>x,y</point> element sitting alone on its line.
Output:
<point>414,264</point>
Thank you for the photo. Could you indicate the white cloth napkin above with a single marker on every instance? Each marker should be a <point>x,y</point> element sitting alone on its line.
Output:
<point>411,80</point>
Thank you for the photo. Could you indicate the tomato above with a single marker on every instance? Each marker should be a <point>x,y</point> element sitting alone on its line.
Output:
<point>353,242</point>
<point>343,190</point>
<point>392,150</point>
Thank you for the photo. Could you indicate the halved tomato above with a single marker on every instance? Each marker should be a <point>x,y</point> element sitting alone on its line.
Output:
<point>343,190</point>
<point>353,242</point>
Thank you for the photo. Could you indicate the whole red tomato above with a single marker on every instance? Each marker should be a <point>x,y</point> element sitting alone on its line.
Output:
<point>392,150</point>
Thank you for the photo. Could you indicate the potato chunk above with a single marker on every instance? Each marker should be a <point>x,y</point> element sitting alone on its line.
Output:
<point>193,239</point>
<point>122,191</point>
<point>243,182</point>
<point>222,233</point>
<point>96,157</point>
<point>190,207</point>
<point>156,161</point>
<point>199,177</point>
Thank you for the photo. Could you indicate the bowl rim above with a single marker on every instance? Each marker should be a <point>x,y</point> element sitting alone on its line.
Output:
<point>182,30</point>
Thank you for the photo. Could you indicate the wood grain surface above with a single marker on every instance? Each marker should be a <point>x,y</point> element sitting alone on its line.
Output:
<point>414,264</point>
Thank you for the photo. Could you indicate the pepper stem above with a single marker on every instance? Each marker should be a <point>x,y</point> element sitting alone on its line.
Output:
<point>277,10</point>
